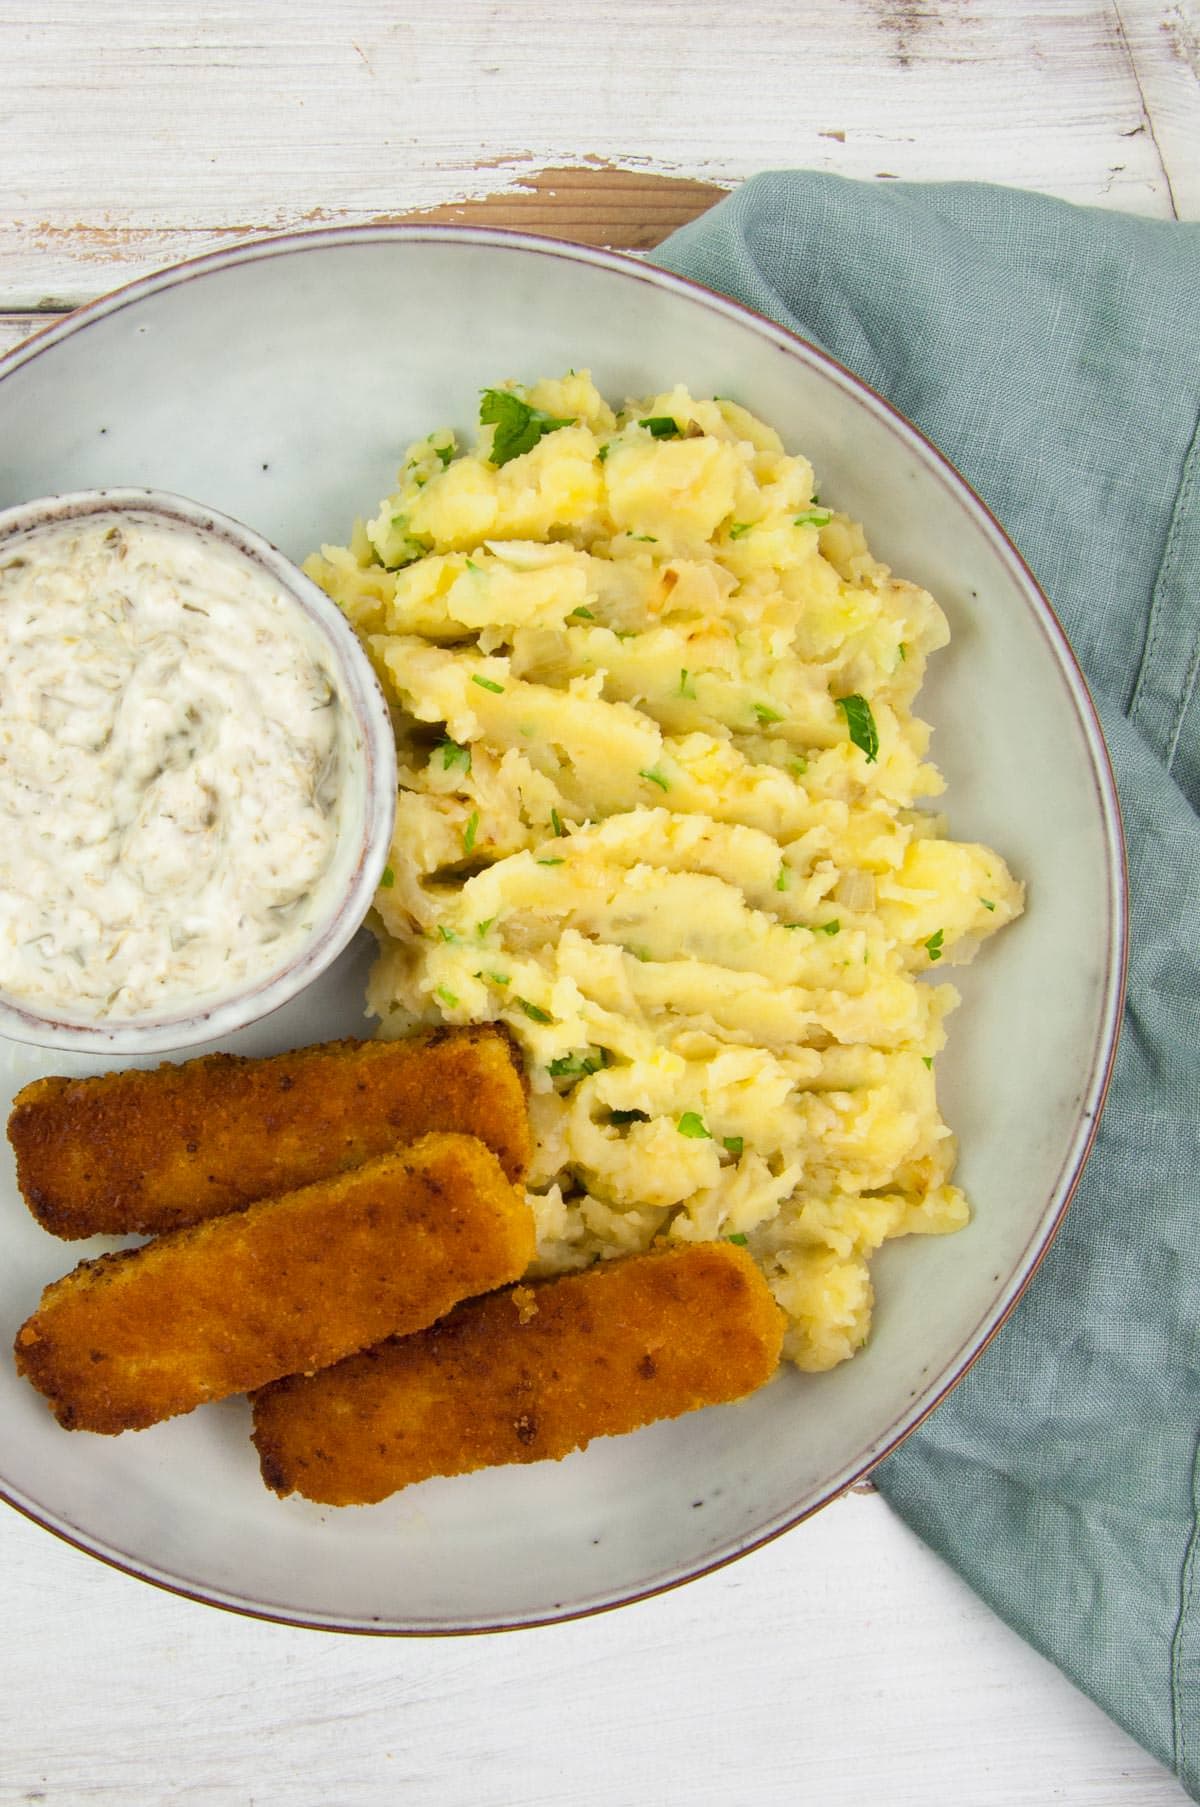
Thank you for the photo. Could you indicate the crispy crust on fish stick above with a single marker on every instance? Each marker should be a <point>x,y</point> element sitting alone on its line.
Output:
<point>286,1286</point>
<point>149,1151</point>
<point>526,1374</point>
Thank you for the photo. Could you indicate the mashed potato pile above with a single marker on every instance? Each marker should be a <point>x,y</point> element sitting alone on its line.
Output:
<point>658,778</point>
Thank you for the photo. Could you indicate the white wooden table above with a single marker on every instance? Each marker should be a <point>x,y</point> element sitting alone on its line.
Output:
<point>843,1664</point>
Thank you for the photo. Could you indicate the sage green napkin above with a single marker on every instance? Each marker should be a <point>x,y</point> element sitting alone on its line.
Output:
<point>1053,352</point>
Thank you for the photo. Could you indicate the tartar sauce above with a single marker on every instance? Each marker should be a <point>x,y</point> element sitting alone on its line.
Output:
<point>173,749</point>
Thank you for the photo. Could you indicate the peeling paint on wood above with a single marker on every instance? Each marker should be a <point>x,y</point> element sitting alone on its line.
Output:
<point>626,209</point>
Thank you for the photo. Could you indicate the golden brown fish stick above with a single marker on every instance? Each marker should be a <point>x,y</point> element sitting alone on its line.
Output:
<point>286,1286</point>
<point>148,1151</point>
<point>526,1374</point>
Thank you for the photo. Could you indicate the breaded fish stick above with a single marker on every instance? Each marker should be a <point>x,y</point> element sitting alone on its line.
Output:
<point>149,1151</point>
<point>288,1285</point>
<point>526,1374</point>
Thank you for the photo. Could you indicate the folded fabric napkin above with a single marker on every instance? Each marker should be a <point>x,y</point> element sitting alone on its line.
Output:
<point>1053,353</point>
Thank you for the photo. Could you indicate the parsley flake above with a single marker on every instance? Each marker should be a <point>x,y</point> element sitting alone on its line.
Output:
<point>987,903</point>
<point>933,947</point>
<point>685,688</point>
<point>828,928</point>
<point>581,615</point>
<point>652,777</point>
<point>445,933</point>
<point>556,819</point>
<point>766,715</point>
<point>481,928</point>
<point>813,517</point>
<point>734,1144</point>
<point>690,1124</point>
<point>553,862</point>
<point>534,1012</point>
<point>928,1059</point>
<point>518,425</point>
<point>861,724</point>
<point>387,879</point>
<point>739,1238</point>
<point>602,454</point>
<point>453,754</point>
<point>448,998</point>
<point>740,529</point>
<point>445,453</point>
<point>661,426</point>
<point>487,684</point>
<point>471,830</point>
<point>784,881</point>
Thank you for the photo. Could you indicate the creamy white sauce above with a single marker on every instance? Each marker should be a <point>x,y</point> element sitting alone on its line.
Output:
<point>173,753</point>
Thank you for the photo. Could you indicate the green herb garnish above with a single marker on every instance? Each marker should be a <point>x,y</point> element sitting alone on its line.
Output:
<point>784,881</point>
<point>481,928</point>
<point>487,684</point>
<point>581,615</point>
<point>987,903</point>
<point>534,1012</point>
<point>738,1238</point>
<point>798,767</point>
<point>933,947</point>
<point>650,538</point>
<point>692,1125</point>
<point>445,453</point>
<point>828,928</point>
<point>553,862</point>
<point>453,754</point>
<point>556,819</point>
<point>902,649</point>
<point>652,777</point>
<point>813,517</point>
<point>661,426</point>
<point>570,1064</point>
<point>740,529</point>
<point>734,1144</point>
<point>448,998</point>
<point>861,723</point>
<point>387,880</point>
<point>518,425</point>
<point>602,454</point>
<point>766,715</point>
<point>472,566</point>
<point>445,933</point>
<point>928,1059</point>
<point>685,688</point>
<point>471,831</point>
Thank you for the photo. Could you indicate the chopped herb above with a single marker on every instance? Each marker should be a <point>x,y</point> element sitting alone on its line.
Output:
<point>487,684</point>
<point>734,1144</point>
<point>685,688</point>
<point>903,651</point>
<point>471,831</point>
<point>987,903</point>
<point>784,881</point>
<point>650,538</point>
<point>445,933</point>
<point>629,1116</point>
<point>387,880</point>
<point>651,777</point>
<point>798,766</point>
<point>534,1012</point>
<point>497,978</point>
<point>861,723</point>
<point>581,615</point>
<point>482,928</point>
<point>602,454</point>
<point>661,426</point>
<point>581,1064</point>
<point>738,1238</point>
<point>625,633</point>
<point>472,566</point>
<point>556,819</point>
<point>813,517</point>
<point>554,862</point>
<point>518,425</point>
<point>445,453</point>
<point>933,947</point>
<point>740,529</point>
<point>692,1125</point>
<point>928,1059</point>
<point>828,928</point>
<point>766,715</point>
<point>453,754</point>
<point>447,997</point>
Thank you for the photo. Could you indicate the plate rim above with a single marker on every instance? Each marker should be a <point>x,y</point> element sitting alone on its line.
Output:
<point>1102,1055</point>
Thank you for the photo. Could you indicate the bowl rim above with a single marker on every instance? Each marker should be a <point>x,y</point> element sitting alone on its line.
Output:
<point>186,1027</point>
<point>1102,1056</point>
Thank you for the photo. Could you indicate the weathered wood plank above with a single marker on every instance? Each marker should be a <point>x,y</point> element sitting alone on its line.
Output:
<point>1164,47</point>
<point>133,136</point>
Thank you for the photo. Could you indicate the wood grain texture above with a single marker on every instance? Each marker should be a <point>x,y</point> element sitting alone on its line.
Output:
<point>1164,49</point>
<point>842,1665</point>
<point>133,136</point>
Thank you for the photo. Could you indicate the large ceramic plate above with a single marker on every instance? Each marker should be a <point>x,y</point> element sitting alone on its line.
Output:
<point>280,383</point>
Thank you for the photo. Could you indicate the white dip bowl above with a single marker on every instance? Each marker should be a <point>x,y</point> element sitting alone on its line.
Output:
<point>363,809</point>
<point>282,381</point>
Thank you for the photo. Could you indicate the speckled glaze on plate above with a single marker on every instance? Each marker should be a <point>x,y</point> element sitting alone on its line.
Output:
<point>280,382</point>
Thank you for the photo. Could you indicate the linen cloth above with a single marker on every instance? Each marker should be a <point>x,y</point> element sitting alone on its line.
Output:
<point>1053,353</point>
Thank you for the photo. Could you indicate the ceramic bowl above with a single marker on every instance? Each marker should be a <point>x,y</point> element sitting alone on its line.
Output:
<point>282,381</point>
<point>368,807</point>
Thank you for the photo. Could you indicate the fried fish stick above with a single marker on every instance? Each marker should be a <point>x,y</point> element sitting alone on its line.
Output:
<point>149,1151</point>
<point>286,1286</point>
<point>524,1375</point>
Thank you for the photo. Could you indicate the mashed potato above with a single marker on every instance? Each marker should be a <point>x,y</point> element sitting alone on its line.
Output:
<point>658,813</point>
